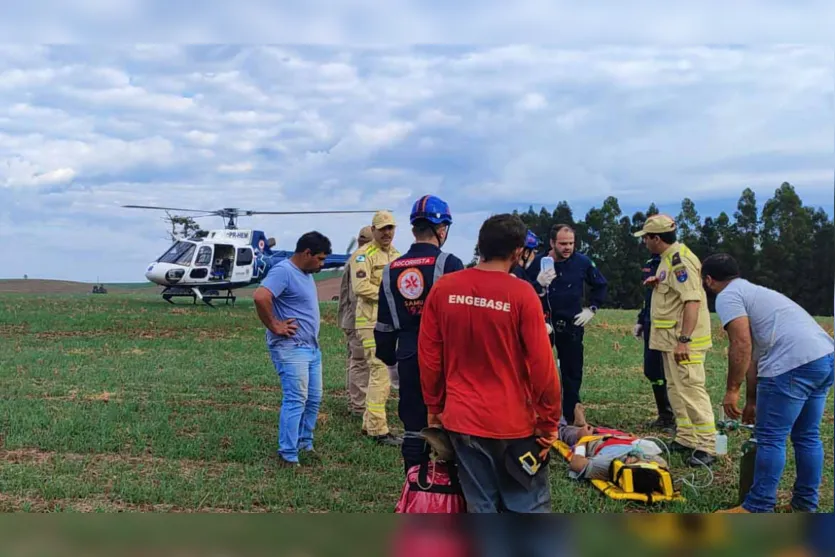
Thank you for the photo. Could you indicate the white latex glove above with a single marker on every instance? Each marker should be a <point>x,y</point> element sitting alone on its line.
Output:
<point>549,328</point>
<point>583,317</point>
<point>637,330</point>
<point>394,376</point>
<point>546,277</point>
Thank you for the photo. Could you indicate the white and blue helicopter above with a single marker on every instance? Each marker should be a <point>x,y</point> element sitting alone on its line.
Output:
<point>211,261</point>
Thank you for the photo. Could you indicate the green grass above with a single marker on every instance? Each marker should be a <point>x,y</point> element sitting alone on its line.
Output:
<point>128,403</point>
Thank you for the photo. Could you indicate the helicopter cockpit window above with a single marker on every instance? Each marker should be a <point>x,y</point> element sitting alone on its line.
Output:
<point>204,256</point>
<point>180,253</point>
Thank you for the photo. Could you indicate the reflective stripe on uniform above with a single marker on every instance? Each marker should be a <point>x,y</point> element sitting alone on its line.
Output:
<point>669,259</point>
<point>709,427</point>
<point>700,342</point>
<point>369,343</point>
<point>395,318</point>
<point>663,323</point>
<point>693,359</point>
<point>384,327</point>
<point>439,266</point>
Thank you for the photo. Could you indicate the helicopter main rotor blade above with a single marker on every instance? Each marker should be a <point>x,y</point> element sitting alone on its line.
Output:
<point>168,209</point>
<point>303,212</point>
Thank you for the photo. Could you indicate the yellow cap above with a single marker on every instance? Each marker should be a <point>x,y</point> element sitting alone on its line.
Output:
<point>657,224</point>
<point>365,234</point>
<point>382,219</point>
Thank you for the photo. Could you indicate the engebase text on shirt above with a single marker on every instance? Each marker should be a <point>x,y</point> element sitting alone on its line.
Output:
<point>479,302</point>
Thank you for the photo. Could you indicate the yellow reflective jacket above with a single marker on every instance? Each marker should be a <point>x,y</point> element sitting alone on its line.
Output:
<point>366,269</point>
<point>679,281</point>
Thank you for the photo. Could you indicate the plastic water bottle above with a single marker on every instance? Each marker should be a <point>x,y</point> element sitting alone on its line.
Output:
<point>721,444</point>
<point>547,262</point>
<point>721,438</point>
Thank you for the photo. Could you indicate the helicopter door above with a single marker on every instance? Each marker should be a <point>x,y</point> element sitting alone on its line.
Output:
<point>243,265</point>
<point>222,264</point>
<point>202,263</point>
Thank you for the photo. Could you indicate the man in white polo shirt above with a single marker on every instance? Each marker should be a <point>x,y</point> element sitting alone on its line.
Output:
<point>787,358</point>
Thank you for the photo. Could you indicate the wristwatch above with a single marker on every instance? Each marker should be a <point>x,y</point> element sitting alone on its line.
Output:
<point>684,339</point>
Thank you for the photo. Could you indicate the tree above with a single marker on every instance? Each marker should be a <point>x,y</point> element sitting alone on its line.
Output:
<point>181,227</point>
<point>689,225</point>
<point>709,241</point>
<point>724,234</point>
<point>746,234</point>
<point>787,248</point>
<point>787,235</point>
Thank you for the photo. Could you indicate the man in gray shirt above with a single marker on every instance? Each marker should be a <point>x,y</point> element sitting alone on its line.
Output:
<point>787,359</point>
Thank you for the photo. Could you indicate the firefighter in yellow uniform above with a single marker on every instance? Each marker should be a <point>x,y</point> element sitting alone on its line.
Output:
<point>367,266</point>
<point>681,332</point>
<point>356,381</point>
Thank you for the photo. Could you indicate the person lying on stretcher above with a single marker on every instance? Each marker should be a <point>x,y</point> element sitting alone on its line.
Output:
<point>594,448</point>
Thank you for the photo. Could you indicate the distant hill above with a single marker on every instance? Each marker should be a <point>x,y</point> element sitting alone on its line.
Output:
<point>327,284</point>
<point>46,286</point>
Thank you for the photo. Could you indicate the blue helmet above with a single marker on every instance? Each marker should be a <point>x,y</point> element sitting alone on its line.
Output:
<point>531,241</point>
<point>431,208</point>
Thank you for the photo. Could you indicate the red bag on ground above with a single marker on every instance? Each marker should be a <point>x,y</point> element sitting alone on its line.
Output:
<point>432,487</point>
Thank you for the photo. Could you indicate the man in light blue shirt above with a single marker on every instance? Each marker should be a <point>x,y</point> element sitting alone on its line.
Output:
<point>788,356</point>
<point>288,305</point>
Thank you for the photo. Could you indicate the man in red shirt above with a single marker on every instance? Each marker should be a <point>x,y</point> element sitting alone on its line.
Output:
<point>488,373</point>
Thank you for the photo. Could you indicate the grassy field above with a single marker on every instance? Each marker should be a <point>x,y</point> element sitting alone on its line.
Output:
<point>128,403</point>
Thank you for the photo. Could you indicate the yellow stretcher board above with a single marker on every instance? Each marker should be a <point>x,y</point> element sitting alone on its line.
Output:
<point>615,491</point>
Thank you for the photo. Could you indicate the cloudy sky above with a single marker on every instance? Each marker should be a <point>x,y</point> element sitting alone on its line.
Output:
<point>85,129</point>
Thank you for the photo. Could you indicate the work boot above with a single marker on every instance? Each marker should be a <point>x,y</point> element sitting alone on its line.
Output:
<point>700,458</point>
<point>676,447</point>
<point>281,462</point>
<point>664,425</point>
<point>736,510</point>
<point>388,439</point>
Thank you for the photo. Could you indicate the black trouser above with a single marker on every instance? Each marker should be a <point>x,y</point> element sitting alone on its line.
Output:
<point>412,412</point>
<point>568,340</point>
<point>654,371</point>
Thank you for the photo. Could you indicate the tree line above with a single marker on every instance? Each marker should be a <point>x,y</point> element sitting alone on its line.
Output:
<point>787,246</point>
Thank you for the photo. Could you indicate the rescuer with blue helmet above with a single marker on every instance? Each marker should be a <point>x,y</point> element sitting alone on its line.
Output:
<point>406,283</point>
<point>528,254</point>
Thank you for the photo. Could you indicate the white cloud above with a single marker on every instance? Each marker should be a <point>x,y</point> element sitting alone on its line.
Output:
<point>239,168</point>
<point>83,130</point>
<point>385,134</point>
<point>532,101</point>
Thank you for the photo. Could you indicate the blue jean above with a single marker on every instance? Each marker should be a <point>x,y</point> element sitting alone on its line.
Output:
<point>299,369</point>
<point>790,404</point>
<point>488,486</point>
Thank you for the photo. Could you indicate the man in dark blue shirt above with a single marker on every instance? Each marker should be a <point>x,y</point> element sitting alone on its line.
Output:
<point>561,289</point>
<point>406,283</point>
<point>653,365</point>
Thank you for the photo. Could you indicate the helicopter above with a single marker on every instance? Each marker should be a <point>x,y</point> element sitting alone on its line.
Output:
<point>211,261</point>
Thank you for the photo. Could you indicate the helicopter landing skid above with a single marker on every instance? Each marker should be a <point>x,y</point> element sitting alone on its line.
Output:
<point>196,294</point>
